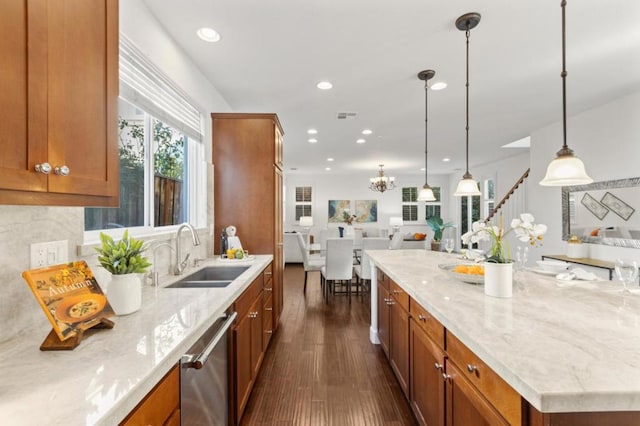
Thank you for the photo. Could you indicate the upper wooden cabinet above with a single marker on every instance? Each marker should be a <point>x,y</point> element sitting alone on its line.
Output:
<point>58,102</point>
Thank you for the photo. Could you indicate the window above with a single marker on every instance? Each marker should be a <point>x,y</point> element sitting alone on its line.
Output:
<point>303,202</point>
<point>489,196</point>
<point>410,204</point>
<point>162,165</point>
<point>434,208</point>
<point>469,212</point>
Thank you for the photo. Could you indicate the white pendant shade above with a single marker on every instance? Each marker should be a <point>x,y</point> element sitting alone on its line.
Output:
<point>566,170</point>
<point>467,186</point>
<point>426,194</point>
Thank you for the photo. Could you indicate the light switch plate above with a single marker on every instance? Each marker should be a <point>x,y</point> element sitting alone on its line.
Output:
<point>49,253</point>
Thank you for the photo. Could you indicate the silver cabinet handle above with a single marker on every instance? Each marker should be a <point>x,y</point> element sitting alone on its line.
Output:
<point>422,318</point>
<point>269,331</point>
<point>268,309</point>
<point>268,289</point>
<point>44,168</point>
<point>472,368</point>
<point>446,376</point>
<point>268,273</point>
<point>438,366</point>
<point>198,361</point>
<point>62,170</point>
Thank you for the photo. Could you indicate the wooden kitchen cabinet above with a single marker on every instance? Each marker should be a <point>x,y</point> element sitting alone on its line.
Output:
<point>427,361</point>
<point>248,187</point>
<point>248,343</point>
<point>58,102</point>
<point>399,335</point>
<point>161,406</point>
<point>384,299</point>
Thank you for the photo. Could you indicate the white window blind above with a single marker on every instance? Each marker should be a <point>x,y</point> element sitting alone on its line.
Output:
<point>145,85</point>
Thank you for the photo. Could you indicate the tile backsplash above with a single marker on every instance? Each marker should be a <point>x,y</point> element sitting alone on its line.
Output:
<point>20,226</point>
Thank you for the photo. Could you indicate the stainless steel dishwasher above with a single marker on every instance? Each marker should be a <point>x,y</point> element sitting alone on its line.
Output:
<point>204,377</point>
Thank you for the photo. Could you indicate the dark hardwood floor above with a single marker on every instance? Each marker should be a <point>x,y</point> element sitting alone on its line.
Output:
<point>321,368</point>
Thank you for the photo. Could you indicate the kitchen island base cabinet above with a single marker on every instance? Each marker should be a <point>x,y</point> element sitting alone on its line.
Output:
<point>613,418</point>
<point>161,406</point>
<point>426,381</point>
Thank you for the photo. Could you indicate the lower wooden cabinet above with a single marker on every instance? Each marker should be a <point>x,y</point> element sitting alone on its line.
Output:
<point>399,341</point>
<point>384,299</point>
<point>161,406</point>
<point>466,406</point>
<point>426,368</point>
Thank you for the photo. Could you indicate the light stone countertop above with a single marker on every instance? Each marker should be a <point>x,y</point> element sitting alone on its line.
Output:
<point>109,373</point>
<point>564,346</point>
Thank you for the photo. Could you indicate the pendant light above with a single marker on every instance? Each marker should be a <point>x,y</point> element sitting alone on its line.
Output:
<point>426,193</point>
<point>566,168</point>
<point>467,186</point>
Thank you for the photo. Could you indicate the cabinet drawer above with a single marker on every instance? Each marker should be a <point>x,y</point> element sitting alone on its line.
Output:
<point>383,279</point>
<point>160,404</point>
<point>400,295</point>
<point>427,322</point>
<point>502,396</point>
<point>246,299</point>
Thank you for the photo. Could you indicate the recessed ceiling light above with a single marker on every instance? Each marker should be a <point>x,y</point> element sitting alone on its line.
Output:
<point>422,169</point>
<point>446,159</point>
<point>312,131</point>
<point>328,169</point>
<point>438,85</point>
<point>361,141</point>
<point>367,131</point>
<point>313,140</point>
<point>329,159</point>
<point>208,34</point>
<point>324,85</point>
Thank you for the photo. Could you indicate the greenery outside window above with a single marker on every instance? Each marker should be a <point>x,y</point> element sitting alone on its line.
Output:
<point>146,199</point>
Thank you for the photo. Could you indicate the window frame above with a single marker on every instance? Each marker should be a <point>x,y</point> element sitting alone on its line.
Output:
<point>412,204</point>
<point>304,203</point>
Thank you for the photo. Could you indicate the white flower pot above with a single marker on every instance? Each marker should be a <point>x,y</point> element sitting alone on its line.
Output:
<point>498,279</point>
<point>125,293</point>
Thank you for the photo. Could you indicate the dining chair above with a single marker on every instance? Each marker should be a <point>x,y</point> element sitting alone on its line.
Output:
<point>309,263</point>
<point>363,271</point>
<point>339,264</point>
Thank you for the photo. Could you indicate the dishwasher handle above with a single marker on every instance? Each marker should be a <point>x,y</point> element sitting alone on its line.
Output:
<point>197,361</point>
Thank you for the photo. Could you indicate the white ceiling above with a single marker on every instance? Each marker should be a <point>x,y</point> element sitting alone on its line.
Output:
<point>272,54</point>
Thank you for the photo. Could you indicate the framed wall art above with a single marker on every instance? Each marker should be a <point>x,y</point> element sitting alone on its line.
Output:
<point>338,209</point>
<point>366,211</point>
<point>617,206</point>
<point>596,209</point>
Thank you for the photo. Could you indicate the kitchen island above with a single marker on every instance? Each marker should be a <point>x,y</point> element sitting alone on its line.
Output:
<point>111,371</point>
<point>565,347</point>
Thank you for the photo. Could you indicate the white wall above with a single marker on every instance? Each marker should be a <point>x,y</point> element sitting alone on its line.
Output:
<point>356,187</point>
<point>22,225</point>
<point>607,139</point>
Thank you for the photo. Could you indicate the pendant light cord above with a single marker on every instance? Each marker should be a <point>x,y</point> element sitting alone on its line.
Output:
<point>565,149</point>
<point>468,32</point>
<point>426,119</point>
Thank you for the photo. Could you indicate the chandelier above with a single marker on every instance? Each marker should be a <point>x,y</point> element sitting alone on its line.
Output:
<point>381,183</point>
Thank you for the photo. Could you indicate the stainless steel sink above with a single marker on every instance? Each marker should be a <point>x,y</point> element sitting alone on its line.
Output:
<point>210,277</point>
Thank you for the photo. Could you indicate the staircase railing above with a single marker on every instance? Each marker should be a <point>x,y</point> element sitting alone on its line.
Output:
<point>498,206</point>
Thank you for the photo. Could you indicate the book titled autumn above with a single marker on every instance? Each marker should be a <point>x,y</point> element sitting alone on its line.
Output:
<point>70,297</point>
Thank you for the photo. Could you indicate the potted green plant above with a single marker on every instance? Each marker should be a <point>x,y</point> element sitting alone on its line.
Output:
<point>125,261</point>
<point>437,225</point>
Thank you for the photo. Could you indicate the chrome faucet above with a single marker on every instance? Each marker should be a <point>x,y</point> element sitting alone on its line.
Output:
<point>182,264</point>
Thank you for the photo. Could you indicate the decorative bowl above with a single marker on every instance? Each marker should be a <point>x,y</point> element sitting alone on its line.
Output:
<point>470,278</point>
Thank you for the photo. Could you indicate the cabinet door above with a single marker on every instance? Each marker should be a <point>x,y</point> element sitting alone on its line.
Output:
<point>257,352</point>
<point>426,384</point>
<point>267,320</point>
<point>82,88</point>
<point>383,318</point>
<point>23,104</point>
<point>243,366</point>
<point>399,344</point>
<point>465,404</point>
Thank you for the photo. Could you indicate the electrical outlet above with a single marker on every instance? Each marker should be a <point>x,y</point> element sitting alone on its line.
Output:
<point>49,253</point>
